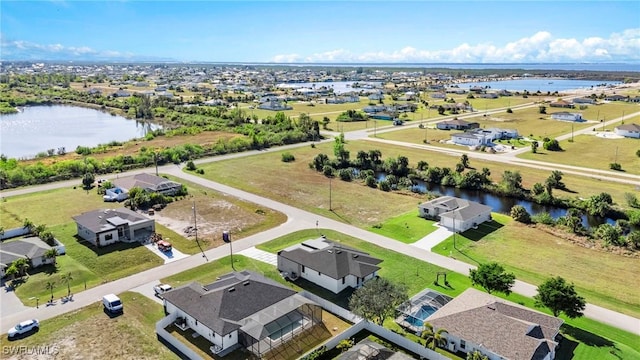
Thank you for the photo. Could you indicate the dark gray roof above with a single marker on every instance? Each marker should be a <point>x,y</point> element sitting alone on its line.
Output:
<point>30,247</point>
<point>367,349</point>
<point>333,260</point>
<point>459,209</point>
<point>629,127</point>
<point>509,330</point>
<point>222,305</point>
<point>104,220</point>
<point>146,181</point>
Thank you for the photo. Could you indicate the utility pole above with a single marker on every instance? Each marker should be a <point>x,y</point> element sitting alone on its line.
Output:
<point>227,238</point>
<point>330,209</point>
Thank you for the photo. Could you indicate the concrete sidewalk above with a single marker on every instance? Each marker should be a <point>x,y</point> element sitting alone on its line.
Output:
<point>433,239</point>
<point>260,255</point>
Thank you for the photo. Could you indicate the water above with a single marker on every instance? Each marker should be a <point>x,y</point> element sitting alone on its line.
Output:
<point>543,85</point>
<point>420,316</point>
<point>339,87</point>
<point>38,128</point>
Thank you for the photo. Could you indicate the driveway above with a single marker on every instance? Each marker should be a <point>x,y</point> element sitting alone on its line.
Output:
<point>434,238</point>
<point>9,302</point>
<point>147,290</point>
<point>260,255</point>
<point>167,256</point>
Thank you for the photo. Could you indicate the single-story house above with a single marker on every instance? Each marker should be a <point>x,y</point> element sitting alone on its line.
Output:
<point>497,328</point>
<point>489,95</point>
<point>567,116</point>
<point>616,97</point>
<point>121,93</point>
<point>628,130</point>
<point>30,248</point>
<point>149,183</point>
<point>471,139</point>
<point>457,124</point>
<point>242,309</point>
<point>454,213</point>
<point>583,101</point>
<point>274,106</point>
<point>439,95</point>
<point>381,116</point>
<point>104,227</point>
<point>562,104</point>
<point>328,264</point>
<point>500,134</point>
<point>378,96</point>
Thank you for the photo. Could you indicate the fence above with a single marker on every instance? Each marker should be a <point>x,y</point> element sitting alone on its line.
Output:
<point>332,308</point>
<point>172,341</point>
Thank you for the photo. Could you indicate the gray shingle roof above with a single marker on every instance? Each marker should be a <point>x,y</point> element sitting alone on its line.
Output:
<point>628,127</point>
<point>146,181</point>
<point>103,220</point>
<point>459,209</point>
<point>222,305</point>
<point>509,330</point>
<point>333,260</point>
<point>31,247</point>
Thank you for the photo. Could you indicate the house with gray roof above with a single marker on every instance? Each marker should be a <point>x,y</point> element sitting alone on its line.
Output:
<point>108,226</point>
<point>628,130</point>
<point>242,309</point>
<point>454,213</point>
<point>30,248</point>
<point>328,264</point>
<point>456,124</point>
<point>498,328</point>
<point>149,183</point>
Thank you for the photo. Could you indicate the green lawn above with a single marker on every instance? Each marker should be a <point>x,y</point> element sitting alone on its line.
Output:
<point>88,266</point>
<point>593,152</point>
<point>601,277</point>
<point>91,332</point>
<point>408,227</point>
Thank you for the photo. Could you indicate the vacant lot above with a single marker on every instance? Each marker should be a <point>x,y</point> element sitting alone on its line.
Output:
<point>594,152</point>
<point>295,184</point>
<point>89,333</point>
<point>535,255</point>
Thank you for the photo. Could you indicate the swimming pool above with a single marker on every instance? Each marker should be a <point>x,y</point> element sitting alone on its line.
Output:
<point>417,318</point>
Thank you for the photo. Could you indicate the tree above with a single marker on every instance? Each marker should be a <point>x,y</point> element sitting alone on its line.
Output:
<point>22,265</point>
<point>67,279</point>
<point>51,254</point>
<point>492,277</point>
<point>555,180</point>
<point>377,299</point>
<point>433,338</point>
<point>599,205</point>
<point>87,180</point>
<point>476,355</point>
<point>464,160</point>
<point>638,153</point>
<point>542,109</point>
<point>50,285</point>
<point>552,145</point>
<point>560,297</point>
<point>534,147</point>
<point>520,214</point>
<point>512,182</point>
<point>611,235</point>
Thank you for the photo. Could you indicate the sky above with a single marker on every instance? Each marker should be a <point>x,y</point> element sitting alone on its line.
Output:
<point>322,31</point>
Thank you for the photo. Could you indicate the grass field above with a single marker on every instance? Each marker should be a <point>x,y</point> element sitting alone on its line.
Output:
<point>601,277</point>
<point>609,343</point>
<point>90,333</point>
<point>408,227</point>
<point>295,184</point>
<point>594,152</point>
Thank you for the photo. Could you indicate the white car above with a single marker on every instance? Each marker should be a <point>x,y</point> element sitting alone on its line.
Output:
<point>161,289</point>
<point>23,328</point>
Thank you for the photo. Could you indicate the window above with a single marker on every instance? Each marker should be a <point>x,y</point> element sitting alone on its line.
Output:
<point>319,274</point>
<point>343,280</point>
<point>229,336</point>
<point>302,268</point>
<point>108,237</point>
<point>463,344</point>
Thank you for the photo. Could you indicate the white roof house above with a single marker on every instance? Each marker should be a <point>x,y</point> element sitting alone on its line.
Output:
<point>628,130</point>
<point>454,213</point>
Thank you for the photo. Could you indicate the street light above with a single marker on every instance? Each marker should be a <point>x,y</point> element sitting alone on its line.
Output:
<point>227,238</point>
<point>37,301</point>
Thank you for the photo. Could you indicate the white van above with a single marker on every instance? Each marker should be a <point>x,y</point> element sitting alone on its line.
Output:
<point>112,303</point>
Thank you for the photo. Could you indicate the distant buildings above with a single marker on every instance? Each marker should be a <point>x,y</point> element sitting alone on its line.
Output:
<point>567,116</point>
<point>628,130</point>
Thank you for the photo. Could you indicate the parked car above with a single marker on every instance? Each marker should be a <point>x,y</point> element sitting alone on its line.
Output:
<point>397,122</point>
<point>24,328</point>
<point>161,289</point>
<point>164,245</point>
<point>112,303</point>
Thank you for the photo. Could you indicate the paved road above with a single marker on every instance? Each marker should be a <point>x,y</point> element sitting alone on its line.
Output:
<point>433,239</point>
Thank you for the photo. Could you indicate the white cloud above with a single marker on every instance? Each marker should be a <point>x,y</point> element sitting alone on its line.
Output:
<point>20,49</point>
<point>540,47</point>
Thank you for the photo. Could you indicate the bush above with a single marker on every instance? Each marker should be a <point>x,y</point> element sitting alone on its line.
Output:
<point>615,166</point>
<point>191,166</point>
<point>552,145</point>
<point>346,174</point>
<point>384,185</point>
<point>371,181</point>
<point>327,170</point>
<point>520,214</point>
<point>200,171</point>
<point>288,157</point>
<point>543,218</point>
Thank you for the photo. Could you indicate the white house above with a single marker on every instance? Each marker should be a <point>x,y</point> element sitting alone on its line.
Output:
<point>242,309</point>
<point>274,106</point>
<point>628,130</point>
<point>500,134</point>
<point>328,264</point>
<point>497,328</point>
<point>454,213</point>
<point>105,227</point>
<point>31,248</point>
<point>148,182</point>
<point>471,139</point>
<point>567,116</point>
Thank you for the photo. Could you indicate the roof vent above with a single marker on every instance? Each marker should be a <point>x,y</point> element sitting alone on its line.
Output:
<point>355,256</point>
<point>232,289</point>
<point>330,251</point>
<point>491,307</point>
<point>323,236</point>
<point>338,251</point>
<point>245,283</point>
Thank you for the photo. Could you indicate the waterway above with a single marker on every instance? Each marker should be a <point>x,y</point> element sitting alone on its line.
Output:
<point>339,87</point>
<point>541,84</point>
<point>36,129</point>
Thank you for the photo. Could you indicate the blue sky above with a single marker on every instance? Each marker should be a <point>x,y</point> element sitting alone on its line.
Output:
<point>322,31</point>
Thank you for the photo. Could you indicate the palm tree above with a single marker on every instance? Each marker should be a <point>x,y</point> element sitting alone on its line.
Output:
<point>50,286</point>
<point>51,254</point>
<point>22,265</point>
<point>433,338</point>
<point>12,271</point>
<point>476,355</point>
<point>67,278</point>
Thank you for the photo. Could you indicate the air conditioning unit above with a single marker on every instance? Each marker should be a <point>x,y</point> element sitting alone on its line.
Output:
<point>452,347</point>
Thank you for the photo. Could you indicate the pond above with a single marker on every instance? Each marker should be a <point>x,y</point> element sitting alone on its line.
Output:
<point>544,85</point>
<point>36,129</point>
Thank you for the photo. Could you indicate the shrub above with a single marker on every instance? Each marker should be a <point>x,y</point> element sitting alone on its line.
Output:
<point>384,185</point>
<point>371,181</point>
<point>520,214</point>
<point>552,145</point>
<point>346,174</point>
<point>509,111</point>
<point>288,157</point>
<point>543,218</point>
<point>200,171</point>
<point>191,166</point>
<point>327,170</point>
<point>615,166</point>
